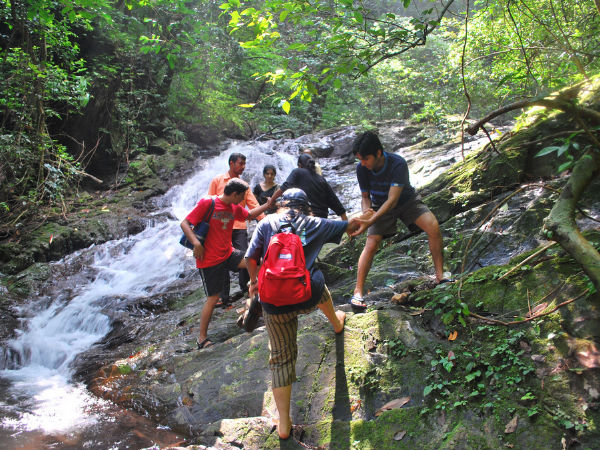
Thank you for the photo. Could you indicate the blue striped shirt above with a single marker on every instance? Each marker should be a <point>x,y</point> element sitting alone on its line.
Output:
<point>393,173</point>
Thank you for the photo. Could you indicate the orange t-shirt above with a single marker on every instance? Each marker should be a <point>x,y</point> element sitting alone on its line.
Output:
<point>217,186</point>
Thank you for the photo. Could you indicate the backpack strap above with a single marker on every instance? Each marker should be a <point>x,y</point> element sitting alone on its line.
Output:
<point>210,211</point>
<point>297,225</point>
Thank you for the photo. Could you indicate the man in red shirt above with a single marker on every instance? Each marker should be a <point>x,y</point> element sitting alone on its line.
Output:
<point>217,256</point>
<point>239,237</point>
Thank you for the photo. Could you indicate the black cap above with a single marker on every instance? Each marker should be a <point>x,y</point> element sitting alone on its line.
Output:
<point>294,197</point>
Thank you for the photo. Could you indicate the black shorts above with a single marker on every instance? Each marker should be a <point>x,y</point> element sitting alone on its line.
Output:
<point>213,277</point>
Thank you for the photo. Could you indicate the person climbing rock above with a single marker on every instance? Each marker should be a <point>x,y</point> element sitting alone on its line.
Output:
<point>216,257</point>
<point>282,321</point>
<point>318,191</point>
<point>387,196</point>
<point>237,165</point>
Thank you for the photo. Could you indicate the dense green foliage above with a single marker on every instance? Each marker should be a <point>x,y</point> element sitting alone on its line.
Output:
<point>87,85</point>
<point>505,49</point>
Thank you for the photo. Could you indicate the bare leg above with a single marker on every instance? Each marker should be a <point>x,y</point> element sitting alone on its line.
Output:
<point>205,316</point>
<point>336,318</point>
<point>282,396</point>
<point>429,224</point>
<point>364,262</point>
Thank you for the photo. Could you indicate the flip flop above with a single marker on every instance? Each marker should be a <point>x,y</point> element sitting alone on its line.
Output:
<point>203,344</point>
<point>357,303</point>
<point>223,303</point>
<point>445,280</point>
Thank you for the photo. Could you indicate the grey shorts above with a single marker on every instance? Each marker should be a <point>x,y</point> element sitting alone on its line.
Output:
<point>213,277</point>
<point>408,212</point>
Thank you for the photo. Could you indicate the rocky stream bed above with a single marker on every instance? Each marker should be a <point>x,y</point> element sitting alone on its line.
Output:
<point>422,368</point>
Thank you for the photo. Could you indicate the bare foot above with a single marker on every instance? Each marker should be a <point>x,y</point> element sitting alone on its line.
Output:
<point>341,315</point>
<point>284,424</point>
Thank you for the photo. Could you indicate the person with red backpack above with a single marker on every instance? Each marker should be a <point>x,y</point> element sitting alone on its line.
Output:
<point>289,284</point>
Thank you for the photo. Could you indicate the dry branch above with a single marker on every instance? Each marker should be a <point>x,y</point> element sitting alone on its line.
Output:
<point>526,260</point>
<point>528,319</point>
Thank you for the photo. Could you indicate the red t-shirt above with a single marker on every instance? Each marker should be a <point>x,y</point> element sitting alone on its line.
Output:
<point>217,247</point>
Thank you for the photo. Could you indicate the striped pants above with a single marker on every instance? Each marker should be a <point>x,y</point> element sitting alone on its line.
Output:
<point>283,346</point>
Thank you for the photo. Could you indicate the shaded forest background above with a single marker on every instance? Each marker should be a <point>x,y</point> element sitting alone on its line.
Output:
<point>89,86</point>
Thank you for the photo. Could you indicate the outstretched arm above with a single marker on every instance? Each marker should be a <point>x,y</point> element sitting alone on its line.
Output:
<point>278,193</point>
<point>253,204</point>
<point>369,216</point>
<point>259,210</point>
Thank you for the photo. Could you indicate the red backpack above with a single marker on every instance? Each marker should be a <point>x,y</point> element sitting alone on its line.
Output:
<point>283,278</point>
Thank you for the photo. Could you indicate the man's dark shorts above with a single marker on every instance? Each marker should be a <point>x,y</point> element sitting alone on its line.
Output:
<point>213,277</point>
<point>408,212</point>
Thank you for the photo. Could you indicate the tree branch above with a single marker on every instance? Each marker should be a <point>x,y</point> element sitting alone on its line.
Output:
<point>557,103</point>
<point>560,224</point>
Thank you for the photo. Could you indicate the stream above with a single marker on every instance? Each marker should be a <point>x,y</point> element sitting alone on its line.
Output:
<point>41,407</point>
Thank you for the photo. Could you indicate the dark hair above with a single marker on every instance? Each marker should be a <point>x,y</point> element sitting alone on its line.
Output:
<point>269,167</point>
<point>366,144</point>
<point>235,186</point>
<point>235,156</point>
<point>305,161</point>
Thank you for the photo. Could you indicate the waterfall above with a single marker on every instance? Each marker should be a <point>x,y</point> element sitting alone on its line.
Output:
<point>39,359</point>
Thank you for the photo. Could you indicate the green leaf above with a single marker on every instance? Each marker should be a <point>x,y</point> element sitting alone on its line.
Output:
<point>472,376</point>
<point>562,149</point>
<point>286,106</point>
<point>528,396</point>
<point>547,150</point>
<point>564,166</point>
<point>428,389</point>
<point>337,83</point>
<point>297,46</point>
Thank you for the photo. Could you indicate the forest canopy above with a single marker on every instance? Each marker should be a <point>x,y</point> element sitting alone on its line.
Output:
<point>88,84</point>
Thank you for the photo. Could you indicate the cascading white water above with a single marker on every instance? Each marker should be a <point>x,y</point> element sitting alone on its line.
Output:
<point>37,395</point>
<point>133,267</point>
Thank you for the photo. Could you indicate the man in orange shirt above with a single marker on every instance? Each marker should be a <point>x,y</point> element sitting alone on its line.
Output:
<point>239,238</point>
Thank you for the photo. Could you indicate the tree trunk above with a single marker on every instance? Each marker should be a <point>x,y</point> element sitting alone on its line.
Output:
<point>560,224</point>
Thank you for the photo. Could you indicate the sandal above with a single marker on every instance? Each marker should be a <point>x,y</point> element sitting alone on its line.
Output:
<point>203,344</point>
<point>357,303</point>
<point>223,303</point>
<point>445,280</point>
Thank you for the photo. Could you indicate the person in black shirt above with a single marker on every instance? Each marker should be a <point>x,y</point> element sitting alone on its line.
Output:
<point>320,194</point>
<point>262,191</point>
